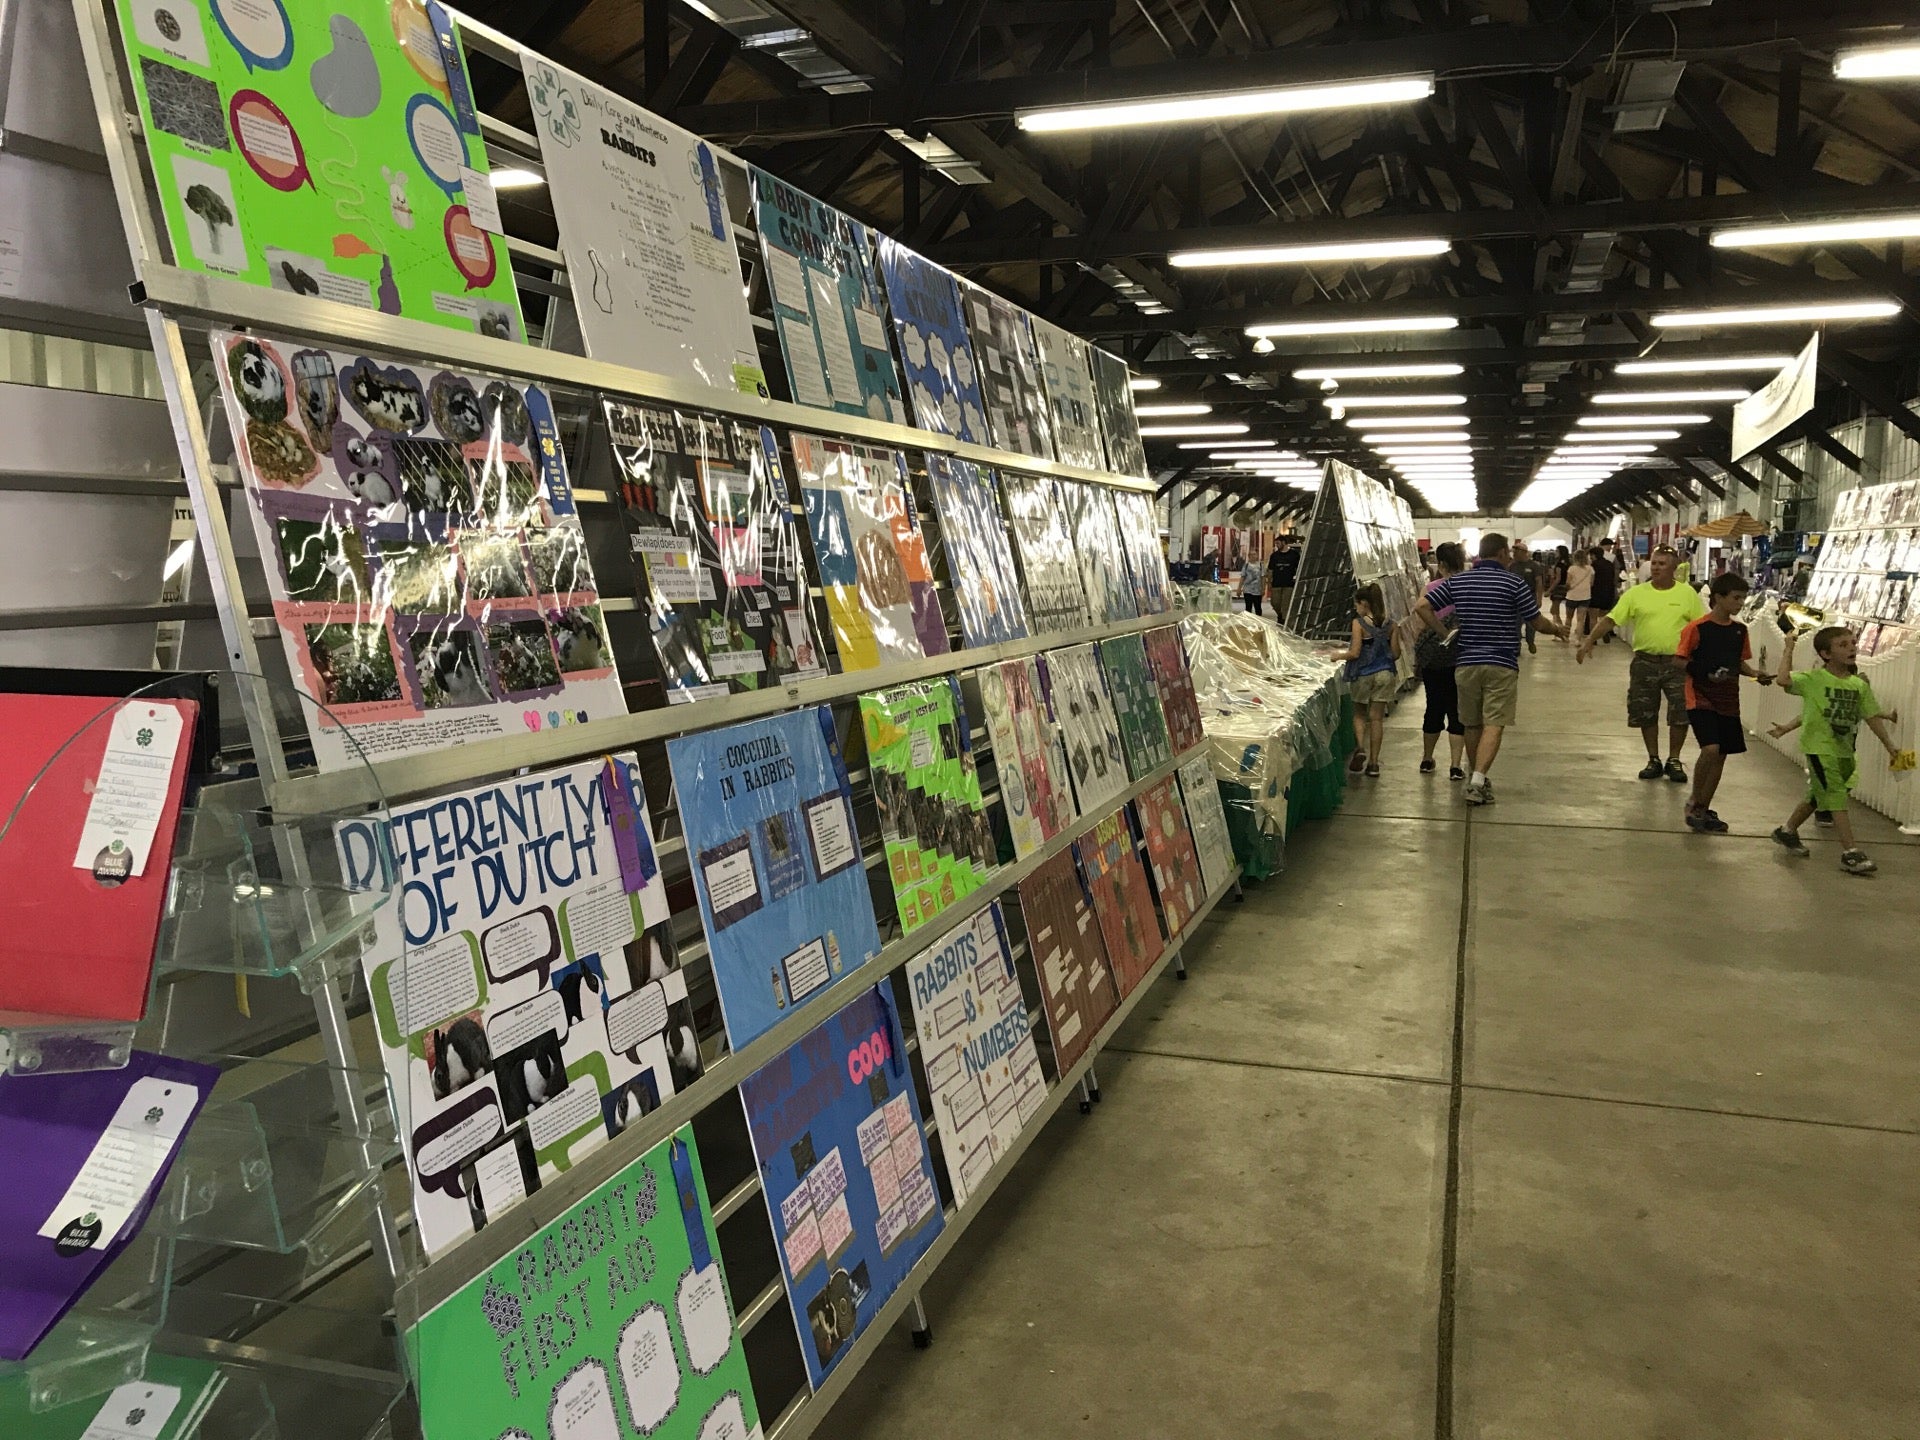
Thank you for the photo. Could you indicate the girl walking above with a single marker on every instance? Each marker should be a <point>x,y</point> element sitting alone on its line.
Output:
<point>1373,653</point>
<point>1580,592</point>
<point>1433,657</point>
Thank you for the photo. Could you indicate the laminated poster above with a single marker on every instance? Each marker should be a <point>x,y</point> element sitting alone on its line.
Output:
<point>1076,418</point>
<point>1136,704</point>
<point>827,305</point>
<point>1119,426</point>
<point>986,588</point>
<point>776,863</point>
<point>1016,401</point>
<point>1029,754</point>
<point>324,150</point>
<point>427,569</point>
<point>844,1168</point>
<point>867,546</point>
<point>523,979</point>
<point>716,554</point>
<point>933,823</point>
<point>1177,878</point>
<point>934,348</point>
<point>613,1319</point>
<point>1089,729</point>
<point>1167,655</point>
<point>643,223</point>
<point>1096,544</point>
<point>1207,820</point>
<point>1069,957</point>
<point>1118,885</point>
<point>1140,547</point>
<point>1037,516</point>
<point>983,1072</point>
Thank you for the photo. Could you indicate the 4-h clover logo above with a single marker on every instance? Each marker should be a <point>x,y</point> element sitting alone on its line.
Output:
<point>136,1415</point>
<point>155,1115</point>
<point>143,737</point>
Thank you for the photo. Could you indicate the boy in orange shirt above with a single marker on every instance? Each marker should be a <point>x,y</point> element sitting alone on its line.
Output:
<point>1715,652</point>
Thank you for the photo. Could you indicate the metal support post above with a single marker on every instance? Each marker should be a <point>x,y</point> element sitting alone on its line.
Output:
<point>922,1331</point>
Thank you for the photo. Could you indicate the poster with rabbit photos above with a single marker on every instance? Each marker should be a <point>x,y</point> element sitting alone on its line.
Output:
<point>1076,416</point>
<point>986,589</point>
<point>523,980</point>
<point>1167,656</point>
<point>1136,704</point>
<point>1176,868</point>
<point>1146,561</point>
<point>1044,542</point>
<point>935,351</point>
<point>1207,822</point>
<point>1030,757</point>
<point>428,573</point>
<point>1096,544</point>
<point>1089,730</point>
<point>716,555</point>
<point>1016,401</point>
<point>1069,957</point>
<point>1118,884</point>
<point>1119,426</point>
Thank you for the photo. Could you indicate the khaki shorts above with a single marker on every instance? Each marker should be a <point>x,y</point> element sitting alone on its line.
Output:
<point>1489,695</point>
<point>1650,677</point>
<point>1378,688</point>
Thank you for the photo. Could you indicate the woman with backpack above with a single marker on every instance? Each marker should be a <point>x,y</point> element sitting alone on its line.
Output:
<point>1433,658</point>
<point>1373,653</point>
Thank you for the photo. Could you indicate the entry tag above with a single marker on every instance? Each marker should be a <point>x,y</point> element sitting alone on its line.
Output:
<point>138,1411</point>
<point>637,863</point>
<point>118,1176</point>
<point>130,796</point>
<point>483,201</point>
<point>689,1194</point>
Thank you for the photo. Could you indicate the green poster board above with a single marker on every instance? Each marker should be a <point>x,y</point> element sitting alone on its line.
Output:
<point>612,1320</point>
<point>322,150</point>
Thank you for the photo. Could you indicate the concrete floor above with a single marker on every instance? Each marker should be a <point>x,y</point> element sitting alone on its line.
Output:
<point>1662,1178</point>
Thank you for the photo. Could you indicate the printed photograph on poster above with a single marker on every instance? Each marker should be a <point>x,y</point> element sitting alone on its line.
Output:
<point>612,1319</point>
<point>983,1072</point>
<point>523,982</point>
<point>1030,757</point>
<point>331,151</point>
<point>1069,957</point>
<point>1117,884</point>
<point>776,860</point>
<point>1037,517</point>
<point>942,379</point>
<point>1119,426</point>
<point>1010,386</point>
<point>1167,657</point>
<point>1140,548</point>
<point>986,587</point>
<point>716,554</point>
<point>417,526</point>
<point>869,552</point>
<point>1136,704</point>
<point>643,223</point>
<point>844,1168</point>
<point>828,308</point>
<point>1176,868</point>
<point>1096,544</point>
<point>1064,359</point>
<point>1089,730</point>
<point>1207,821</point>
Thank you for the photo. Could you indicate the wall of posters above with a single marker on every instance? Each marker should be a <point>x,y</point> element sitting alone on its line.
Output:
<point>1176,869</point>
<point>1167,655</point>
<point>427,570</point>
<point>521,1023</point>
<point>776,863</point>
<point>1119,426</point>
<point>1069,957</point>
<point>328,151</point>
<point>1010,388</point>
<point>844,1167</point>
<point>1076,416</point>
<point>934,347</point>
<point>827,305</point>
<point>1139,531</point>
<point>983,1073</point>
<point>643,224</point>
<point>1207,822</point>
<point>716,554</point>
<point>1121,899</point>
<point>986,588</point>
<point>1037,518</point>
<point>926,791</point>
<point>612,1319</point>
<point>1036,785</point>
<point>870,555</point>
<point>1136,704</point>
<point>1089,729</point>
<point>1096,544</point>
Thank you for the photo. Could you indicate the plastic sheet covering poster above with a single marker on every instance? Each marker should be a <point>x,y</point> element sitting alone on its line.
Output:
<point>845,1171</point>
<point>425,563</point>
<point>933,823</point>
<point>1119,426</point>
<point>1069,957</point>
<point>1030,755</point>
<point>1177,878</point>
<point>1140,547</point>
<point>1016,401</point>
<point>523,981</point>
<point>612,1319</point>
<point>827,305</point>
<point>776,863</point>
<point>1121,899</point>
<point>1076,419</point>
<point>1167,656</point>
<point>715,551</point>
<point>643,223</point>
<point>1089,729</point>
<point>986,587</point>
<point>1207,820</point>
<point>323,150</point>
<point>1096,543</point>
<point>935,350</point>
<point>1037,515</point>
<point>1136,704</point>
<point>983,1072</point>
<point>869,552</point>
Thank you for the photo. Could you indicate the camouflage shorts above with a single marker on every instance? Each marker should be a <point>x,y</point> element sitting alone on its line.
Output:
<point>1651,677</point>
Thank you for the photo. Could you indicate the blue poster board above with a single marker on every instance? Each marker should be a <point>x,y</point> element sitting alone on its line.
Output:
<point>844,1168</point>
<point>942,375</point>
<point>776,863</point>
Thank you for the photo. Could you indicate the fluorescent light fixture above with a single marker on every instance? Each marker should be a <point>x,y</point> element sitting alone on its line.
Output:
<point>1228,444</point>
<point>1575,437</point>
<point>1605,422</point>
<point>1308,254</point>
<point>1759,237</point>
<point>1888,62</point>
<point>1666,397</point>
<point>1388,402</point>
<point>1778,314</point>
<point>1382,325</point>
<point>1226,105</point>
<point>1274,464</point>
<point>1148,410</point>
<point>1248,454</point>
<point>1378,372</point>
<point>1601,446</point>
<point>1409,437</point>
<point>1406,422</point>
<point>1141,382</point>
<point>516,178</point>
<point>1154,431</point>
<point>1717,364</point>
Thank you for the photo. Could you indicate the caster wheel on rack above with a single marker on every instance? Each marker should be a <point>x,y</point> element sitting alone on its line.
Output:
<point>923,1339</point>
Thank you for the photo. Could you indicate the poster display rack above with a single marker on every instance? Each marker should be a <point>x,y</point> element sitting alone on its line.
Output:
<point>1360,532</point>
<point>356,1222</point>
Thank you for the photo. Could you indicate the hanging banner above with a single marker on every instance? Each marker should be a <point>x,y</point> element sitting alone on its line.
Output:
<point>1777,404</point>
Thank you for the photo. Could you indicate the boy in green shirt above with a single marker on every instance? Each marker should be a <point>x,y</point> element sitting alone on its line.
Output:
<point>1835,701</point>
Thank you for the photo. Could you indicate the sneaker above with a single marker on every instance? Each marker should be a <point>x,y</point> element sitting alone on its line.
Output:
<point>1454,772</point>
<point>1356,762</point>
<point>1676,772</point>
<point>1791,843</point>
<point>1857,862</point>
<point>1373,772</point>
<point>1654,770</point>
<point>1706,822</point>
<point>1823,818</point>
<point>1477,792</point>
<point>1426,767</point>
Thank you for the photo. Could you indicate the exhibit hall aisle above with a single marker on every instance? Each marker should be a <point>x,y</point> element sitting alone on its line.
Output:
<point>1657,1180</point>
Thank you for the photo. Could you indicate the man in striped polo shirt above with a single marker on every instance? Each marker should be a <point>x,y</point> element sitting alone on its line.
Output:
<point>1491,605</point>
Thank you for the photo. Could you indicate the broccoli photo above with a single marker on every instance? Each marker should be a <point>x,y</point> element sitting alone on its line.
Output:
<point>202,201</point>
